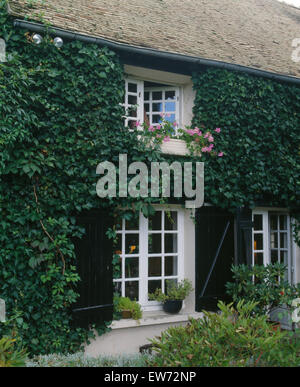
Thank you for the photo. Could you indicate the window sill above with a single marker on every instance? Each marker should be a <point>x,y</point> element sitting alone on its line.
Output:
<point>174,147</point>
<point>154,318</point>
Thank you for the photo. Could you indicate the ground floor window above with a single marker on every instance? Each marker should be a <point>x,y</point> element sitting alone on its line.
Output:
<point>151,253</point>
<point>271,238</point>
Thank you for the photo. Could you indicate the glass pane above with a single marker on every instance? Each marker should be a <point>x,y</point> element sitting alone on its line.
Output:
<point>283,257</point>
<point>258,224</point>
<point>170,243</point>
<point>132,290</point>
<point>153,285</point>
<point>258,241</point>
<point>132,124</point>
<point>156,95</point>
<point>273,222</point>
<point>170,107</point>
<point>171,118</point>
<point>131,267</point>
<point>274,256</point>
<point>132,113</point>
<point>258,258</point>
<point>157,107</point>
<point>283,222</point>
<point>283,240</point>
<point>132,224</point>
<point>132,99</point>
<point>146,107</point>
<point>170,220</point>
<point>154,267</point>
<point>155,221</point>
<point>170,266</point>
<point>131,243</point>
<point>274,240</point>
<point>170,95</point>
<point>156,119</point>
<point>154,243</point>
<point>132,87</point>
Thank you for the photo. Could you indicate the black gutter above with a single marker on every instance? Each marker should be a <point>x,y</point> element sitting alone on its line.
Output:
<point>126,49</point>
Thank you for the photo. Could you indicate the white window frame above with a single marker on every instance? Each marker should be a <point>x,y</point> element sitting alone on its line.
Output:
<point>144,255</point>
<point>266,231</point>
<point>140,100</point>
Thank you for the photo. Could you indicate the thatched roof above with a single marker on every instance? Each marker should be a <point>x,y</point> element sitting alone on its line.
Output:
<point>253,33</point>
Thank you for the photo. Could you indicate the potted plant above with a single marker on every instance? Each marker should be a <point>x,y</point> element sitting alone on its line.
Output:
<point>127,307</point>
<point>174,296</point>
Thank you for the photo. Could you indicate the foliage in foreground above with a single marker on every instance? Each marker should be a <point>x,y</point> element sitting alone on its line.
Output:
<point>264,285</point>
<point>231,338</point>
<point>10,354</point>
<point>80,360</point>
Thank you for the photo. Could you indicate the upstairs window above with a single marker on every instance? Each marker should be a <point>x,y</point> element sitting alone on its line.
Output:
<point>147,101</point>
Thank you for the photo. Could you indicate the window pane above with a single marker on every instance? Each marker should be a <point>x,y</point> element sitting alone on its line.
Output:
<point>258,224</point>
<point>146,96</point>
<point>170,94</point>
<point>170,243</point>
<point>156,119</point>
<point>131,243</point>
<point>132,113</point>
<point>283,240</point>
<point>274,256</point>
<point>170,107</point>
<point>171,118</point>
<point>157,107</point>
<point>154,266</point>
<point>118,288</point>
<point>258,258</point>
<point>154,243</point>
<point>132,290</point>
<point>283,222</point>
<point>132,87</point>
<point>155,221</point>
<point>273,222</point>
<point>171,220</point>
<point>131,267</point>
<point>153,285</point>
<point>156,95</point>
<point>146,107</point>
<point>132,100</point>
<point>258,241</point>
<point>171,266</point>
<point>169,283</point>
<point>274,240</point>
<point>283,257</point>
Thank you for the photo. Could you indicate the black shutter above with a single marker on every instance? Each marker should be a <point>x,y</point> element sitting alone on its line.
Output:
<point>244,225</point>
<point>214,256</point>
<point>94,264</point>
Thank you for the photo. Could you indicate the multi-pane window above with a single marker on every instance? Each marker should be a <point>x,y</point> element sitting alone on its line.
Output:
<point>148,101</point>
<point>271,238</point>
<point>150,253</point>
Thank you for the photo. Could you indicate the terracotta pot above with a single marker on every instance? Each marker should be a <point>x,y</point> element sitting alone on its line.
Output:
<point>126,314</point>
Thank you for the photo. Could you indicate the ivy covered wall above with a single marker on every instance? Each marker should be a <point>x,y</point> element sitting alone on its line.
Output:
<point>260,122</point>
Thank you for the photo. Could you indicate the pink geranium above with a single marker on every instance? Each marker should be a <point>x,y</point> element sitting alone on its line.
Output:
<point>218,130</point>
<point>220,154</point>
<point>210,138</point>
<point>166,139</point>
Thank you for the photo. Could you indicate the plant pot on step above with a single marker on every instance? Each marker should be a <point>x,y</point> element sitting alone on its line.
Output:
<point>172,306</point>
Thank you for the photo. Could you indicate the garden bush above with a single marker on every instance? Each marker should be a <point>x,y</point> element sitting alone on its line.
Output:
<point>10,353</point>
<point>230,338</point>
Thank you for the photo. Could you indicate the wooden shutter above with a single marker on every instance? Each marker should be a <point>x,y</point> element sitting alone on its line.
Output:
<point>214,256</point>
<point>94,264</point>
<point>244,226</point>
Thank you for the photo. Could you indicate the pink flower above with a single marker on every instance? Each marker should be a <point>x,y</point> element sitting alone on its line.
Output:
<point>158,136</point>
<point>168,115</point>
<point>204,149</point>
<point>161,114</point>
<point>218,130</point>
<point>158,127</point>
<point>207,134</point>
<point>210,138</point>
<point>220,154</point>
<point>137,123</point>
<point>166,139</point>
<point>151,128</point>
<point>175,123</point>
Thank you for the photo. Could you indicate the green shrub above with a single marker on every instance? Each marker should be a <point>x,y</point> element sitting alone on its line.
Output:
<point>126,304</point>
<point>10,355</point>
<point>232,337</point>
<point>263,284</point>
<point>175,291</point>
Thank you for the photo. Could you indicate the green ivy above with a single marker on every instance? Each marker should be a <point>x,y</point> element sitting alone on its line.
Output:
<point>260,121</point>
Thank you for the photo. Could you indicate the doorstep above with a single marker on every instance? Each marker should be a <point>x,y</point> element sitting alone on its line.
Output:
<point>154,318</point>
